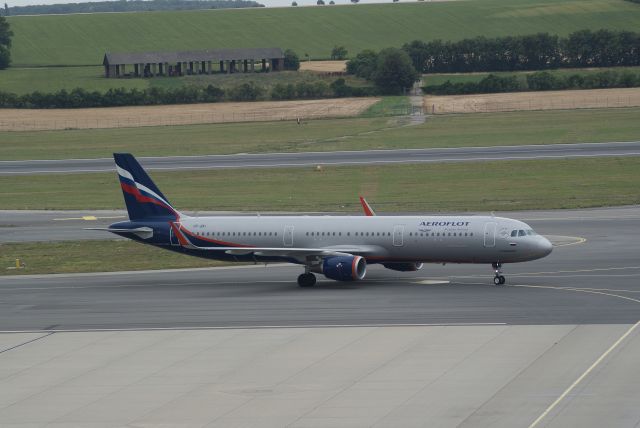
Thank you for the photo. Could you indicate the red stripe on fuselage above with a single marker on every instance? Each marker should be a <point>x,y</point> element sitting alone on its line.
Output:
<point>224,243</point>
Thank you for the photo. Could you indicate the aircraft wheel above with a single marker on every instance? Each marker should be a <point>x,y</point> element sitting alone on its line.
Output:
<point>307,280</point>
<point>502,280</point>
<point>496,280</point>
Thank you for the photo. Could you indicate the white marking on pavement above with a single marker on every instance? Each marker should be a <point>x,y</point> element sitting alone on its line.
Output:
<point>585,374</point>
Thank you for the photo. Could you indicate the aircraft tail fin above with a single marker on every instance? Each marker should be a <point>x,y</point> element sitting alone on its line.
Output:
<point>141,195</point>
<point>368,211</point>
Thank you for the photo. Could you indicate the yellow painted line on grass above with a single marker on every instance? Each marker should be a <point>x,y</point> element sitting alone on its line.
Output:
<point>88,218</point>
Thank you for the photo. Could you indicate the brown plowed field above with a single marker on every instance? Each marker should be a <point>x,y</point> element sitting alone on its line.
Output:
<point>547,100</point>
<point>125,117</point>
<point>324,66</point>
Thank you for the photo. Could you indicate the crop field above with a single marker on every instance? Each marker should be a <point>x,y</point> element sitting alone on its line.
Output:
<point>467,186</point>
<point>180,114</point>
<point>83,39</point>
<point>543,100</point>
<point>492,129</point>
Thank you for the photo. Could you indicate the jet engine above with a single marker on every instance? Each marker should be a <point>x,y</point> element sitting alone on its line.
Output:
<point>344,268</point>
<point>404,267</point>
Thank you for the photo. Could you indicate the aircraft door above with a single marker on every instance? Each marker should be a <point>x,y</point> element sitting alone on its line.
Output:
<point>173,239</point>
<point>288,236</point>
<point>398,236</point>
<point>490,235</point>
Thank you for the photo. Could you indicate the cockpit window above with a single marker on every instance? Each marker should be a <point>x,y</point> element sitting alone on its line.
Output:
<point>521,232</point>
<point>531,232</point>
<point>514,233</point>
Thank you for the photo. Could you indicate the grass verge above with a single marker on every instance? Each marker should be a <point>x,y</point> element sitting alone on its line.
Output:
<point>479,186</point>
<point>486,129</point>
<point>92,256</point>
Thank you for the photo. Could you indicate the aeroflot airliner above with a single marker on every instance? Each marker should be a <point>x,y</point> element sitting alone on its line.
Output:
<point>339,247</point>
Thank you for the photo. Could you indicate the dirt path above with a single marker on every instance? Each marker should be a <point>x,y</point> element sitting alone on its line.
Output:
<point>126,117</point>
<point>547,100</point>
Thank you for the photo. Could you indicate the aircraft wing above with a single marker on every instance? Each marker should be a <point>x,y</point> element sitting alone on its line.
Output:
<point>290,251</point>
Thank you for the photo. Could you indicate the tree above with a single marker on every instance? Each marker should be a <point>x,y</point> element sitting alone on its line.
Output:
<point>320,2</point>
<point>332,2</point>
<point>291,60</point>
<point>6,9</point>
<point>394,71</point>
<point>354,1</point>
<point>5,43</point>
<point>339,52</point>
<point>294,4</point>
<point>363,65</point>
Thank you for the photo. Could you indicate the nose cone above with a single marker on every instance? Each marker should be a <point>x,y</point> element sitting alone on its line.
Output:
<point>544,247</point>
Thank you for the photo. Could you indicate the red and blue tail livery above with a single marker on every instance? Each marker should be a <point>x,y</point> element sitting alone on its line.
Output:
<point>143,198</point>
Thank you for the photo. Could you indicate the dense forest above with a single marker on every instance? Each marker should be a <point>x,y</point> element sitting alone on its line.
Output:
<point>128,6</point>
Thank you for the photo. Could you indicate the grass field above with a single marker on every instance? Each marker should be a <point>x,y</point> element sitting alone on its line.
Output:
<point>438,79</point>
<point>92,256</point>
<point>50,79</point>
<point>481,186</point>
<point>83,39</point>
<point>515,128</point>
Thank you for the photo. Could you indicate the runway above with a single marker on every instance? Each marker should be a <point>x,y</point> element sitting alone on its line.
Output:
<point>596,281</point>
<point>365,157</point>
<point>244,346</point>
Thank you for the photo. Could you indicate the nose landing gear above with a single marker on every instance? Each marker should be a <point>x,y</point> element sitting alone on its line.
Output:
<point>498,279</point>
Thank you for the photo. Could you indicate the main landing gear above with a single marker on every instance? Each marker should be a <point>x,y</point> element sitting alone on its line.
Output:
<point>307,280</point>
<point>498,279</point>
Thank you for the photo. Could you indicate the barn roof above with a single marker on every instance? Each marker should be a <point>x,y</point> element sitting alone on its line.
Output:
<point>187,56</point>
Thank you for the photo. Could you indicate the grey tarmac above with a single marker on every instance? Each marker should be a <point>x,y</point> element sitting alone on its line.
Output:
<point>364,157</point>
<point>244,346</point>
<point>592,277</point>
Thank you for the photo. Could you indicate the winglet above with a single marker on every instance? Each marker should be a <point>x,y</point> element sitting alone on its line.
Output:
<point>368,211</point>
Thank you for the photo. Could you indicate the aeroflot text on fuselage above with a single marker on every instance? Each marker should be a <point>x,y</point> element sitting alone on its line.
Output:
<point>444,223</point>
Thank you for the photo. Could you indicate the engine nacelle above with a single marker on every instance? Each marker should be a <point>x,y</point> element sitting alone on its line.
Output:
<point>344,268</point>
<point>404,267</point>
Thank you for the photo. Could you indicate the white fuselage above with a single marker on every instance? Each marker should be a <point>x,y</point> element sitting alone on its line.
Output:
<point>442,239</point>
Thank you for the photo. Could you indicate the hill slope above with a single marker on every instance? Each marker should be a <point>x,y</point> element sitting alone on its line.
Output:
<point>83,39</point>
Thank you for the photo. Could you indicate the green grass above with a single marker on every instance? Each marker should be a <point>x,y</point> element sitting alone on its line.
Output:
<point>83,39</point>
<point>389,106</point>
<point>92,256</point>
<point>487,129</point>
<point>440,78</point>
<point>481,186</point>
<point>50,79</point>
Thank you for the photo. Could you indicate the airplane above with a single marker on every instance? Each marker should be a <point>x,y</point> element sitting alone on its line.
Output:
<point>338,247</point>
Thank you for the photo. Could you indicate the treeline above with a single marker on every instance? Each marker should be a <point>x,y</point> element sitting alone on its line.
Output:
<point>129,6</point>
<point>585,48</point>
<point>539,81</point>
<point>81,98</point>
